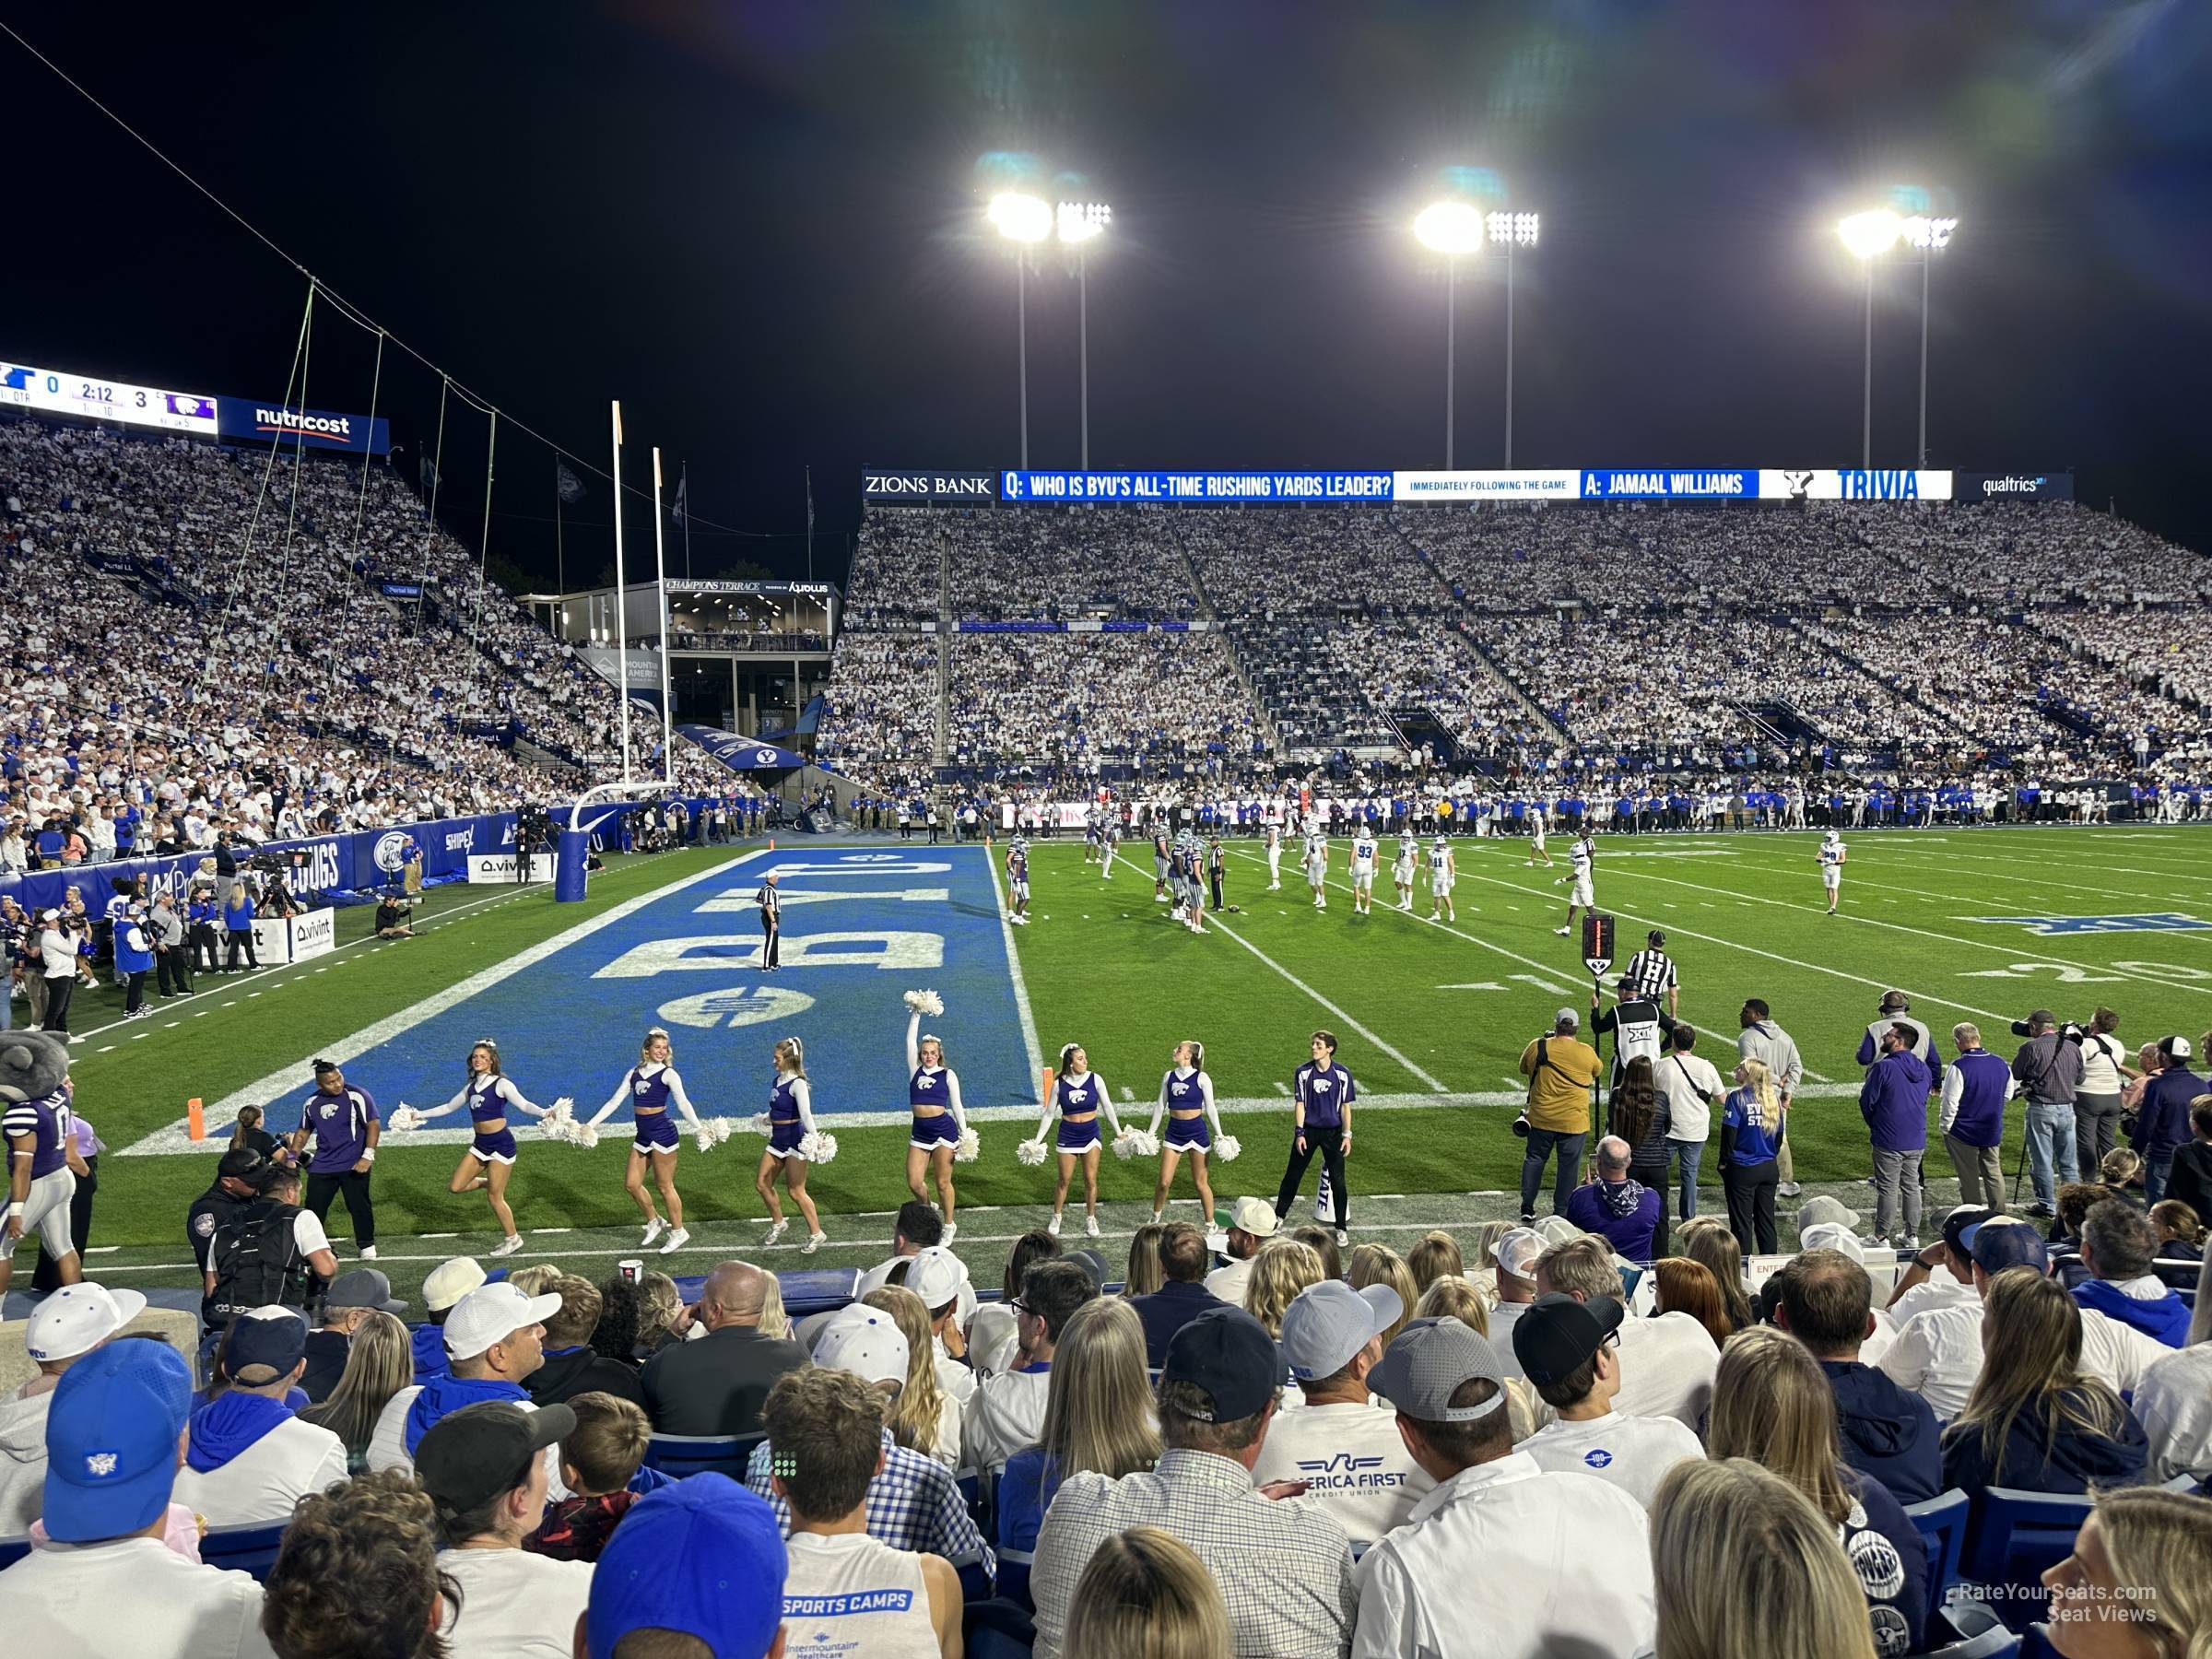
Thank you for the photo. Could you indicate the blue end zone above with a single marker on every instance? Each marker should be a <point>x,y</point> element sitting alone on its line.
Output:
<point>860,928</point>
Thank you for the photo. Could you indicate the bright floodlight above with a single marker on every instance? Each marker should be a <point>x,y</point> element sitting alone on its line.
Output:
<point>1513,229</point>
<point>1081,221</point>
<point>1020,217</point>
<point>1450,227</point>
<point>1929,234</point>
<point>1870,235</point>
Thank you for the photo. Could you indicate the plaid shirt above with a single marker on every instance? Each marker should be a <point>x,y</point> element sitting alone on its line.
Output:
<point>1285,1569</point>
<point>913,1503</point>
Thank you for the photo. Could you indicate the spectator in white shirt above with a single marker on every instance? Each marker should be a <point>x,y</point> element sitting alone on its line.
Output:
<point>484,1467</point>
<point>247,1457</point>
<point>1285,1573</point>
<point>1009,1407</point>
<point>1570,1350</point>
<point>1668,1360</point>
<point>1489,1563</point>
<point>1939,1352</point>
<point>358,1575</point>
<point>73,1321</point>
<point>1943,1273</point>
<point>105,1582</point>
<point>1252,1223</point>
<point>1344,1443</point>
<point>1516,1253</point>
<point>2174,1401</point>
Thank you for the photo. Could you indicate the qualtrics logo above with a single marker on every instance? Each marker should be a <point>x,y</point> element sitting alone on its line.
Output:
<point>2011,486</point>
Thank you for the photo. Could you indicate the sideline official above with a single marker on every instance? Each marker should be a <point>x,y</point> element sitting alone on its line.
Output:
<point>771,923</point>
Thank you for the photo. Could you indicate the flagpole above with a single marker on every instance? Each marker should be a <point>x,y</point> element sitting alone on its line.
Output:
<point>560,557</point>
<point>660,592</point>
<point>621,608</point>
<point>683,488</point>
<point>809,524</point>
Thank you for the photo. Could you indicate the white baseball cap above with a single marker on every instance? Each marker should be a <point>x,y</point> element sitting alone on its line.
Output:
<point>491,1313</point>
<point>78,1318</point>
<point>449,1281</point>
<point>864,1341</point>
<point>937,1277</point>
<point>1517,1250</point>
<point>1256,1216</point>
<point>1832,1235</point>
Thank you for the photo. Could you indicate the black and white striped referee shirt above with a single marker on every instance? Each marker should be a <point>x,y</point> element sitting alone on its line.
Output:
<point>1651,975</point>
<point>771,907</point>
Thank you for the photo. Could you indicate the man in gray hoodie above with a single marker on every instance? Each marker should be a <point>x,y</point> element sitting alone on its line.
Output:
<point>1764,1041</point>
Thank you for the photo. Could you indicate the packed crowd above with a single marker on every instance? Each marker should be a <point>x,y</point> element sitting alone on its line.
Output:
<point>194,663</point>
<point>1056,564</point>
<point>1270,562</point>
<point>1064,695</point>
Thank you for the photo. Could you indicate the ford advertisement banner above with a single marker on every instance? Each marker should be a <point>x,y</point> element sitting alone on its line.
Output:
<point>245,421</point>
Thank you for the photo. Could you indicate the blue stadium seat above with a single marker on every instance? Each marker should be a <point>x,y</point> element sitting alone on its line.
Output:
<point>1970,1631</point>
<point>975,1578</point>
<point>1013,1582</point>
<point>2179,1275</point>
<point>682,1454</point>
<point>1942,1521</point>
<point>251,1549</point>
<point>2016,1535</point>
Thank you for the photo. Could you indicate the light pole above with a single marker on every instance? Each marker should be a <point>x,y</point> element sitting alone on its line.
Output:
<point>1455,229</point>
<point>1078,225</point>
<point>1023,220</point>
<point>1868,236</point>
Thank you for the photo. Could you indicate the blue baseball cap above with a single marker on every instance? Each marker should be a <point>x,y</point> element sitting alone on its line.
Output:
<point>702,1557</point>
<point>112,1441</point>
<point>2002,1241</point>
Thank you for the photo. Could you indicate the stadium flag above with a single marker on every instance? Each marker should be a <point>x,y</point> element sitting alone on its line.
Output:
<point>570,486</point>
<point>677,512</point>
<point>1597,944</point>
<point>426,470</point>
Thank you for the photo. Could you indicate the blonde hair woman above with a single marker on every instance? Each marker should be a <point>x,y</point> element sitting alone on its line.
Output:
<point>379,1361</point>
<point>1772,1404</point>
<point>652,1087</point>
<point>2034,1421</point>
<point>2138,1584</point>
<point>1379,1265</point>
<point>790,1139</point>
<point>1144,1275</point>
<point>1146,1596</point>
<point>775,1323</point>
<point>1435,1255</point>
<point>1279,1272</point>
<point>1751,1133</point>
<point>1745,1567</point>
<point>923,1417</point>
<point>661,1316</point>
<point>1099,1417</point>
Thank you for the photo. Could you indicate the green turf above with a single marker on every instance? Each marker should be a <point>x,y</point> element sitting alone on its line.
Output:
<point>1104,966</point>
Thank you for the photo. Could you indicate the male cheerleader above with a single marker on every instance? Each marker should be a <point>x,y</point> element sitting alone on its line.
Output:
<point>1363,871</point>
<point>1443,870</point>
<point>1832,856</point>
<point>1535,836</point>
<point>1580,856</point>
<point>1401,872</point>
<point>1317,867</point>
<point>1018,879</point>
<point>1275,858</point>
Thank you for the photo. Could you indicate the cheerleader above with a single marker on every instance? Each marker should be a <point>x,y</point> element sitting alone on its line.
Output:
<point>489,1160</point>
<point>1186,1099</point>
<point>792,1141</point>
<point>940,1130</point>
<point>650,1086</point>
<point>1078,1096</point>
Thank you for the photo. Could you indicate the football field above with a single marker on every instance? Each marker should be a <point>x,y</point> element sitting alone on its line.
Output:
<point>1433,1018</point>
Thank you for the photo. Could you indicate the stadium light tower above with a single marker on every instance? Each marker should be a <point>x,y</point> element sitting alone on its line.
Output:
<point>1456,230</point>
<point>1027,221</point>
<point>1868,237</point>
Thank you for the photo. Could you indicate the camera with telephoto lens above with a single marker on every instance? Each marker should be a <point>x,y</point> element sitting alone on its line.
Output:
<point>2068,1031</point>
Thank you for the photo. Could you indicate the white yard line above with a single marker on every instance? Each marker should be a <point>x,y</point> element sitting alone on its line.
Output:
<point>1336,1012</point>
<point>1021,987</point>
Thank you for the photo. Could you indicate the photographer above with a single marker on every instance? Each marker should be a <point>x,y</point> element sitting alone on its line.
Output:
<point>394,918</point>
<point>2048,1068</point>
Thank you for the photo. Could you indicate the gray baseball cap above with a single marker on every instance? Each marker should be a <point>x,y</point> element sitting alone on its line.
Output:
<point>362,1287</point>
<point>1326,1326</point>
<point>1426,1365</point>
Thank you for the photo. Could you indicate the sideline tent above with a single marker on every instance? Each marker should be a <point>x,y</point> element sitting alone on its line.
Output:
<point>741,754</point>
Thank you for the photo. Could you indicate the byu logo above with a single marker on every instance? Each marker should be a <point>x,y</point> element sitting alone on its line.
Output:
<point>97,1463</point>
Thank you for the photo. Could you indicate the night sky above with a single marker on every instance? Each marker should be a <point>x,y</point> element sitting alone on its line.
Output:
<point>759,225</point>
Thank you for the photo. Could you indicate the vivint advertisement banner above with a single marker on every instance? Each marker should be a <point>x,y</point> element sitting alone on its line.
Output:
<point>1562,484</point>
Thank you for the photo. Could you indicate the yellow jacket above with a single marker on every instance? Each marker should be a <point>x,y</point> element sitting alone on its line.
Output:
<point>1556,1103</point>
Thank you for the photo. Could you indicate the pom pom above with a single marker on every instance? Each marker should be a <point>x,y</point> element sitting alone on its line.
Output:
<point>1227,1149</point>
<point>817,1147</point>
<point>712,1132</point>
<point>566,1106</point>
<point>559,1122</point>
<point>1031,1152</point>
<point>405,1117</point>
<point>760,1124</point>
<point>927,1004</point>
<point>1133,1142</point>
<point>970,1148</point>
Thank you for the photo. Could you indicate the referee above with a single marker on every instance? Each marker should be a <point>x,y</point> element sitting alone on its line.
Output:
<point>771,923</point>
<point>1651,973</point>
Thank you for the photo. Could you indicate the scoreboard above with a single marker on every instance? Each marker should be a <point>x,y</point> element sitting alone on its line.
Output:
<point>92,399</point>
